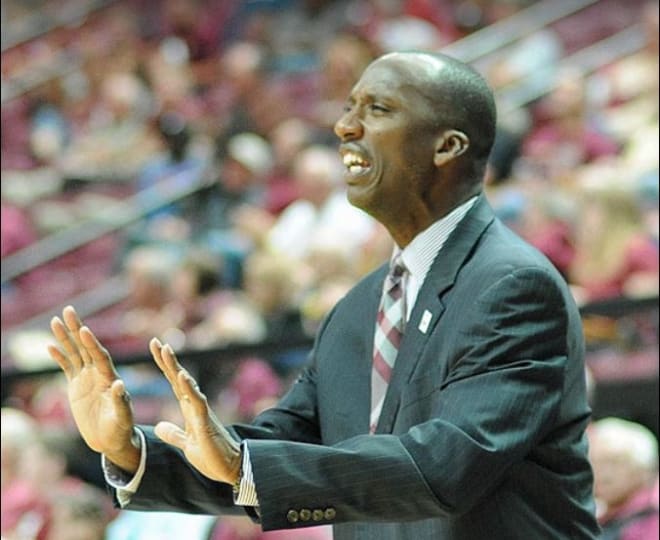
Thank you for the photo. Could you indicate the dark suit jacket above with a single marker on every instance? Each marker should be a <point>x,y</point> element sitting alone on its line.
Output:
<point>482,430</point>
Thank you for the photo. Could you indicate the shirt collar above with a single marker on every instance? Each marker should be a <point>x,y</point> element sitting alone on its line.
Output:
<point>418,256</point>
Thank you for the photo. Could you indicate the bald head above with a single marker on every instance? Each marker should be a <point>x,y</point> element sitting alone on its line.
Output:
<point>459,96</point>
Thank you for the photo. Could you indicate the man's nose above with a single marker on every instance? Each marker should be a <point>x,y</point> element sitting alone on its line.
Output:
<point>348,127</point>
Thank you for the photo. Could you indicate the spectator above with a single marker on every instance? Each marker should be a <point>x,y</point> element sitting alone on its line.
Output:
<point>614,254</point>
<point>624,455</point>
<point>566,134</point>
<point>80,513</point>
<point>321,217</point>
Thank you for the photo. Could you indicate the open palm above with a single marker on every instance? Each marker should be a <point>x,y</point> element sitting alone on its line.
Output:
<point>98,399</point>
<point>206,443</point>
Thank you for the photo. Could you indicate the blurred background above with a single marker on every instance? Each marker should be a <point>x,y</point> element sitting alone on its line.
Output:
<point>169,168</point>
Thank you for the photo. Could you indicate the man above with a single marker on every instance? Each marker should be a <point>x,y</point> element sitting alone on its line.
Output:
<point>478,429</point>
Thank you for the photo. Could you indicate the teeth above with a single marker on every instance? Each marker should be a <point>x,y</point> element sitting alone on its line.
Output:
<point>355,169</point>
<point>354,161</point>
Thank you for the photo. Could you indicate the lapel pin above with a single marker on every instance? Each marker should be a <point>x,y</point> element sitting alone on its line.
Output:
<point>425,321</point>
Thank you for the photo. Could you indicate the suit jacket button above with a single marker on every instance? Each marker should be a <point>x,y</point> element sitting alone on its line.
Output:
<point>292,516</point>
<point>305,514</point>
<point>330,513</point>
<point>317,514</point>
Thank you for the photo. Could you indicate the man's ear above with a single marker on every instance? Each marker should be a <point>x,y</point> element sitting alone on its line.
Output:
<point>451,144</point>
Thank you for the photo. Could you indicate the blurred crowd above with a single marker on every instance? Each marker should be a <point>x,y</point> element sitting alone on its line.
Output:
<point>234,103</point>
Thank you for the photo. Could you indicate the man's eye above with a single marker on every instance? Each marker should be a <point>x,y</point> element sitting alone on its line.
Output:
<point>375,107</point>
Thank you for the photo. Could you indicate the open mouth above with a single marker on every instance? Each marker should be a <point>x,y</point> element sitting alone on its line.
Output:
<point>355,164</point>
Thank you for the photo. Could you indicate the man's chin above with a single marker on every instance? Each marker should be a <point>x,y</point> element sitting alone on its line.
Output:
<point>361,196</point>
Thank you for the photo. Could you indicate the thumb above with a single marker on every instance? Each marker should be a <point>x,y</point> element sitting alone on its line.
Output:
<point>171,434</point>
<point>122,401</point>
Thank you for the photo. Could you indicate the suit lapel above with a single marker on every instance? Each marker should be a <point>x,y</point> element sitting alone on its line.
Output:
<point>429,305</point>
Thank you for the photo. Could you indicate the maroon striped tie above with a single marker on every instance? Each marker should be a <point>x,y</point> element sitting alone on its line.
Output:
<point>389,331</point>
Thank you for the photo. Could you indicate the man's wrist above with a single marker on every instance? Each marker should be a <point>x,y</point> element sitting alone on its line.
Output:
<point>128,460</point>
<point>125,484</point>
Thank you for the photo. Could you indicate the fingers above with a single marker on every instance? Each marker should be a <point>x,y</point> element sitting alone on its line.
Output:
<point>61,359</point>
<point>191,393</point>
<point>73,324</point>
<point>78,345</point>
<point>171,434</point>
<point>185,388</point>
<point>69,352</point>
<point>97,354</point>
<point>122,400</point>
<point>166,360</point>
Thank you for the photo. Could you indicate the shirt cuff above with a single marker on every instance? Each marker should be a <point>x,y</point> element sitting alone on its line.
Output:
<point>117,478</point>
<point>246,494</point>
